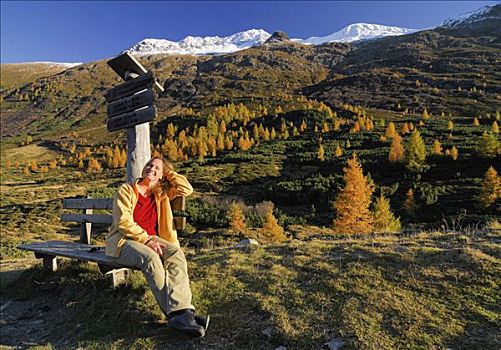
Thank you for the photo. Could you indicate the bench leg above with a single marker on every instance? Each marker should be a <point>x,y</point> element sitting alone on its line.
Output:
<point>49,261</point>
<point>118,276</point>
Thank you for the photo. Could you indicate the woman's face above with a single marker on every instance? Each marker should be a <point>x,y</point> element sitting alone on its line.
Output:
<point>153,170</point>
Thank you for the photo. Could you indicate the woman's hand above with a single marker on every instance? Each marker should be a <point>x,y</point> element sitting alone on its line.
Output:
<point>156,246</point>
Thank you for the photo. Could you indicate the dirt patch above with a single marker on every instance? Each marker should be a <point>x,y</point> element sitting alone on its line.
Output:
<point>22,321</point>
<point>11,270</point>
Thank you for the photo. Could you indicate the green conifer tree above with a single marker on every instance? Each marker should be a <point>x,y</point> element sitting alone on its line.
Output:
<point>488,145</point>
<point>415,152</point>
<point>384,219</point>
<point>491,188</point>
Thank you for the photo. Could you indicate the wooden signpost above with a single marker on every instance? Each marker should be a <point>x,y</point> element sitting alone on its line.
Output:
<point>130,106</point>
<point>141,99</point>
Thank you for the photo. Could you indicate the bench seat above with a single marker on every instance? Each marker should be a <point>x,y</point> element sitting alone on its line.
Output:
<point>50,250</point>
<point>83,250</point>
<point>73,250</point>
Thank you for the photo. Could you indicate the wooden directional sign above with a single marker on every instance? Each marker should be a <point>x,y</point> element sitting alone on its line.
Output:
<point>127,102</point>
<point>130,87</point>
<point>130,119</point>
<point>125,64</point>
<point>131,107</point>
<point>131,103</point>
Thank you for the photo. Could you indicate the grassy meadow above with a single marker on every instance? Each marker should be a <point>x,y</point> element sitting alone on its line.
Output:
<point>433,285</point>
<point>412,291</point>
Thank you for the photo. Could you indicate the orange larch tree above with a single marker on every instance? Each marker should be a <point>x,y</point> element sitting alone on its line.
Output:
<point>495,127</point>
<point>338,152</point>
<point>390,130</point>
<point>437,147</point>
<point>491,188</point>
<point>352,203</point>
<point>397,150</point>
<point>416,152</point>
<point>237,218</point>
<point>410,204</point>
<point>271,230</point>
<point>321,153</point>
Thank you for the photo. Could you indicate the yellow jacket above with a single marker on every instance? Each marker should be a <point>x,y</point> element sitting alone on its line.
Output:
<point>124,227</point>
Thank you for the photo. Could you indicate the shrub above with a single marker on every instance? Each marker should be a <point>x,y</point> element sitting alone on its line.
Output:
<point>101,192</point>
<point>204,214</point>
<point>430,193</point>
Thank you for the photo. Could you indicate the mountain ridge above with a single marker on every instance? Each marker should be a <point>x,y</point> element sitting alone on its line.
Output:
<point>255,37</point>
<point>434,69</point>
<point>358,32</point>
<point>473,16</point>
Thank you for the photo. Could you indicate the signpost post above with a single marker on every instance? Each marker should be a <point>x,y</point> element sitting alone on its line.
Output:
<point>130,106</point>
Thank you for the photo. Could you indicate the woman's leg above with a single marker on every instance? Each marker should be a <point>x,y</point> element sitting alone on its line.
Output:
<point>144,258</point>
<point>169,284</point>
<point>178,282</point>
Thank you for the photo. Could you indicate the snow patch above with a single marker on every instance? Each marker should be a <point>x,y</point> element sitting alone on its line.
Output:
<point>359,31</point>
<point>61,64</point>
<point>195,45</point>
<point>470,17</point>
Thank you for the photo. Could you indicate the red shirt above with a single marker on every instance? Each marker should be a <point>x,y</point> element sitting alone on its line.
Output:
<point>145,214</point>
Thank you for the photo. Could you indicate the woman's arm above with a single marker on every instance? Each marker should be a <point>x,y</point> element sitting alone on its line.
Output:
<point>123,217</point>
<point>180,187</point>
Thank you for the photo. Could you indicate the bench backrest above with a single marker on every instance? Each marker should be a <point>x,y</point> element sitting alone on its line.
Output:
<point>87,218</point>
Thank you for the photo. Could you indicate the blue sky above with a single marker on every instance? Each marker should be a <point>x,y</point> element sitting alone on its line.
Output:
<point>84,31</point>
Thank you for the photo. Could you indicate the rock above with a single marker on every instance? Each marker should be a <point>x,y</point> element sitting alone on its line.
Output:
<point>246,242</point>
<point>45,308</point>
<point>335,344</point>
<point>6,305</point>
<point>267,332</point>
<point>277,37</point>
<point>281,347</point>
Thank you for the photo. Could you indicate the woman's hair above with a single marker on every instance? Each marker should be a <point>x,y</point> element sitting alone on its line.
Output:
<point>163,185</point>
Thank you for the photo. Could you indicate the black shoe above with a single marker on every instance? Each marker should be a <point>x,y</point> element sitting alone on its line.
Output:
<point>202,321</point>
<point>185,322</point>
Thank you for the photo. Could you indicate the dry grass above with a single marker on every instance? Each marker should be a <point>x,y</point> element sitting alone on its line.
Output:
<point>16,75</point>
<point>28,153</point>
<point>426,291</point>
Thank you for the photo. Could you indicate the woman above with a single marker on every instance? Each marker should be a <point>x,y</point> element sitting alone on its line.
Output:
<point>142,236</point>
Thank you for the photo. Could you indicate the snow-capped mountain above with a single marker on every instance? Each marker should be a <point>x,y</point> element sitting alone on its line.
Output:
<point>486,12</point>
<point>359,31</point>
<point>243,40</point>
<point>201,45</point>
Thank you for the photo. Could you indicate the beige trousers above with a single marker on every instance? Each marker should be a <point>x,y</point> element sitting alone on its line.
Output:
<point>167,276</point>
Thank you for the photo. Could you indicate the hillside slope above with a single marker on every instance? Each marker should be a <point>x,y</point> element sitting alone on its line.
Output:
<point>17,74</point>
<point>429,69</point>
<point>443,70</point>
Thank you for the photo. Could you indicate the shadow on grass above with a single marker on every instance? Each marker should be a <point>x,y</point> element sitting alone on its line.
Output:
<point>382,297</point>
<point>306,294</point>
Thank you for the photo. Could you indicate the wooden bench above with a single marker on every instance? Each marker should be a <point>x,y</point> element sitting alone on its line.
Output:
<point>84,250</point>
